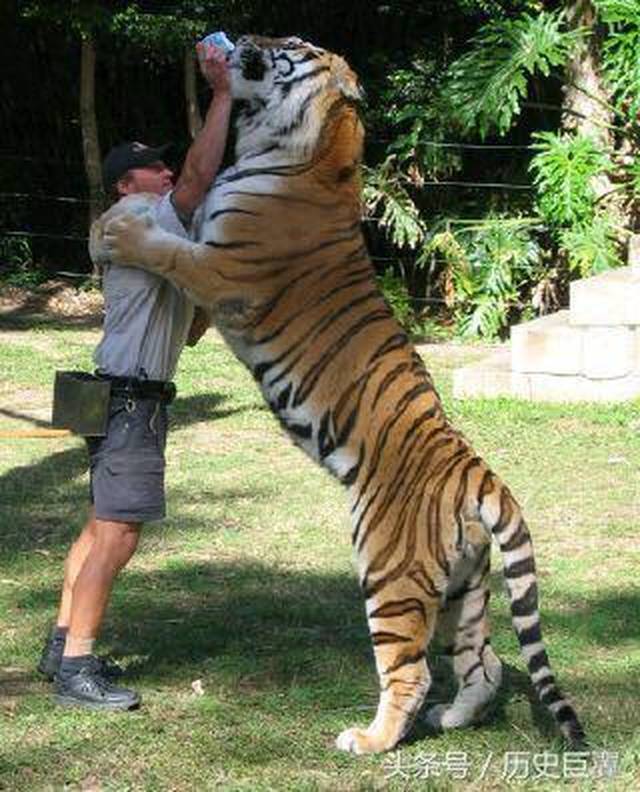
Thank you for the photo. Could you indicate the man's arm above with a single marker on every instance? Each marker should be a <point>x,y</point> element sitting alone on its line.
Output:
<point>199,326</point>
<point>204,158</point>
<point>205,154</point>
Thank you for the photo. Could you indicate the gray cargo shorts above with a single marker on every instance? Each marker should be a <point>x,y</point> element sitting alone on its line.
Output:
<point>127,465</point>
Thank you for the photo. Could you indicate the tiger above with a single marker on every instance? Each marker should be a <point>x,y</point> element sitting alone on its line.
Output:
<point>282,264</point>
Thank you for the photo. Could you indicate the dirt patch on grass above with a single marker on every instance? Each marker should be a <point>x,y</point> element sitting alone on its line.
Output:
<point>55,299</point>
<point>25,404</point>
<point>451,355</point>
<point>211,437</point>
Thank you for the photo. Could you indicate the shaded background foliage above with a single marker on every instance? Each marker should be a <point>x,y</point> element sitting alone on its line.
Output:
<point>139,93</point>
<point>430,71</point>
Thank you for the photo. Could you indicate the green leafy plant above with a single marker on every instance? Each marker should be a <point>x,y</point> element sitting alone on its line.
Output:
<point>563,172</point>
<point>16,263</point>
<point>387,198</point>
<point>621,50</point>
<point>409,102</point>
<point>418,323</point>
<point>592,248</point>
<point>565,169</point>
<point>159,35</point>
<point>486,86</point>
<point>498,6</point>
<point>397,296</point>
<point>488,265</point>
<point>633,173</point>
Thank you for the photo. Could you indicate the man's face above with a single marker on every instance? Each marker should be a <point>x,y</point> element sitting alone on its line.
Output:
<point>155,178</point>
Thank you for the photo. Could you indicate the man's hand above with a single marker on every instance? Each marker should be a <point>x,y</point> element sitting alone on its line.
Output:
<point>213,65</point>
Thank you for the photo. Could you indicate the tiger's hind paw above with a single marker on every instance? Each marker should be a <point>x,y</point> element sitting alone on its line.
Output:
<point>443,717</point>
<point>456,715</point>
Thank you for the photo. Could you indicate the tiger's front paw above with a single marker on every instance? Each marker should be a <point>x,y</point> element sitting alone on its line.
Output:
<point>362,741</point>
<point>125,239</point>
<point>97,249</point>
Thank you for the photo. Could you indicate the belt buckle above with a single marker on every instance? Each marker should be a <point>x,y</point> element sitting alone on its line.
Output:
<point>129,402</point>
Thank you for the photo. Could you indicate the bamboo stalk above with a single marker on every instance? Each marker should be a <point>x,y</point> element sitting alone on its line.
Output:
<point>34,433</point>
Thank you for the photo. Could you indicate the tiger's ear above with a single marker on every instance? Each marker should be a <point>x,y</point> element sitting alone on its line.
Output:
<point>351,88</point>
<point>345,81</point>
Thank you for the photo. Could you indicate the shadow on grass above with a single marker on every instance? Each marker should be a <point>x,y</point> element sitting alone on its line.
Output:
<point>604,619</point>
<point>41,503</point>
<point>246,618</point>
<point>18,416</point>
<point>247,628</point>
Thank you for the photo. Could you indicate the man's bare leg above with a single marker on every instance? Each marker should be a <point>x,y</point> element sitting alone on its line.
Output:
<point>72,566</point>
<point>54,647</point>
<point>81,679</point>
<point>105,547</point>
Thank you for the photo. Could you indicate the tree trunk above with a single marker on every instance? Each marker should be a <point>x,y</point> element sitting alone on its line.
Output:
<point>88,122</point>
<point>194,119</point>
<point>585,93</point>
<point>585,96</point>
<point>590,104</point>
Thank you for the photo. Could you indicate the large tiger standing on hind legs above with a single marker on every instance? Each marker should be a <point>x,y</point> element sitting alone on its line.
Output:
<point>283,265</point>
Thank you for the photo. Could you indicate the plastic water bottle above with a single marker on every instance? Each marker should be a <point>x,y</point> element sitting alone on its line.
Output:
<point>219,39</point>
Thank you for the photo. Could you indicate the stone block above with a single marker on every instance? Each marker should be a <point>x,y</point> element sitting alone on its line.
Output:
<point>609,352</point>
<point>548,345</point>
<point>492,377</point>
<point>612,298</point>
<point>552,388</point>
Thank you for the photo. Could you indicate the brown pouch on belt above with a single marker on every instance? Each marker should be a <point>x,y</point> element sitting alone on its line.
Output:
<point>81,403</point>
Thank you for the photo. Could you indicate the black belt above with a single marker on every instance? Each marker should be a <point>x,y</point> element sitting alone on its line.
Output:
<point>132,387</point>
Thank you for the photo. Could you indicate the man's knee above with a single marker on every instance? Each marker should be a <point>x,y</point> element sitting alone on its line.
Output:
<point>117,540</point>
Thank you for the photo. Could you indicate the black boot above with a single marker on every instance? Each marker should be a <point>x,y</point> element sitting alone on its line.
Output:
<point>81,682</point>
<point>53,650</point>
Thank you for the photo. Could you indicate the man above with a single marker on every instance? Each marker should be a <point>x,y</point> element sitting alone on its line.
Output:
<point>147,323</point>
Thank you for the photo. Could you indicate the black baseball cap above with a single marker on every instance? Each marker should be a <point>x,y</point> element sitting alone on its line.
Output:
<point>129,155</point>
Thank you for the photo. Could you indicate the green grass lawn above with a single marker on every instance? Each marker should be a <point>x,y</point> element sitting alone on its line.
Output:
<point>248,590</point>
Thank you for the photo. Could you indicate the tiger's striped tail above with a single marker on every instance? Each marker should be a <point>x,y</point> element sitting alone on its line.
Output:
<point>502,516</point>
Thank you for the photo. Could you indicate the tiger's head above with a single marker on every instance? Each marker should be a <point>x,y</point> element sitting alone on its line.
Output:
<point>296,96</point>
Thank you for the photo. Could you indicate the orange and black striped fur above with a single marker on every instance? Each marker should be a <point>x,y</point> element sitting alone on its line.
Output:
<point>283,265</point>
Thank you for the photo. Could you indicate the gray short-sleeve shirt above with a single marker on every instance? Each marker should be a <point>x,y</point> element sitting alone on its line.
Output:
<point>147,318</point>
